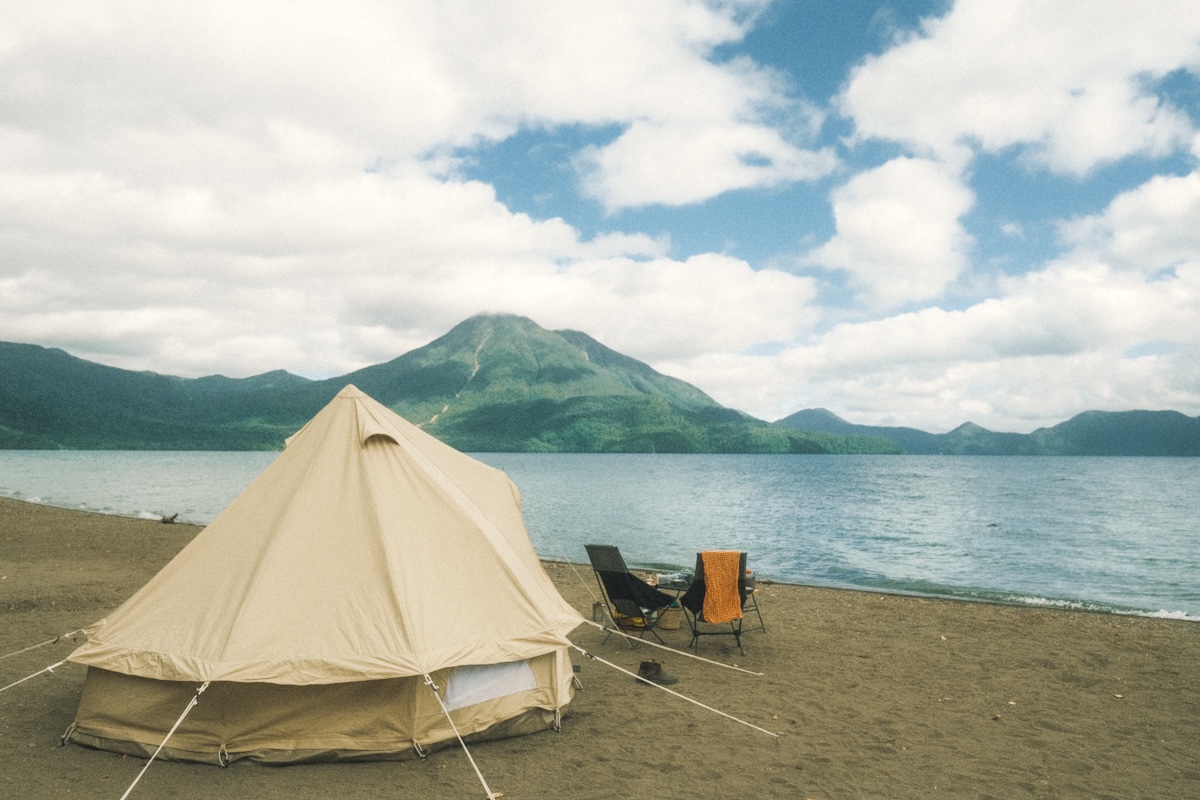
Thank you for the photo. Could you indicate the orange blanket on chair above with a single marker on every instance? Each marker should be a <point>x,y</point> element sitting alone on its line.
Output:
<point>722,603</point>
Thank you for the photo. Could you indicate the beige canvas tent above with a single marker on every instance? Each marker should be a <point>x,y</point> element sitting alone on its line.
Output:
<point>367,556</point>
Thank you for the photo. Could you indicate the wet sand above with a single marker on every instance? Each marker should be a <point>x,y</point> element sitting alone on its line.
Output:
<point>874,696</point>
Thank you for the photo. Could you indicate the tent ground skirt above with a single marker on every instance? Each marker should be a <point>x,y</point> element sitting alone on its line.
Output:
<point>280,724</point>
<point>535,720</point>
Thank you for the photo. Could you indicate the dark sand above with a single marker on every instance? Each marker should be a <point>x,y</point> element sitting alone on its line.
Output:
<point>875,697</point>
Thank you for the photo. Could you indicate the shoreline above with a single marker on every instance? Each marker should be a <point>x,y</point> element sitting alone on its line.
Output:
<point>876,695</point>
<point>1042,604</point>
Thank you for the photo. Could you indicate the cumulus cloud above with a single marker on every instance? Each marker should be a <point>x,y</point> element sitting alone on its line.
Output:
<point>238,187</point>
<point>673,164</point>
<point>1072,82</point>
<point>898,231</point>
<point>653,308</point>
<point>1112,324</point>
<point>1065,340</point>
<point>396,262</point>
<point>1152,228</point>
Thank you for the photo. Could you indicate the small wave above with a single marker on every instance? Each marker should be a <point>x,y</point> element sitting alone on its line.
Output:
<point>1082,605</point>
<point>980,595</point>
<point>1164,614</point>
<point>1051,602</point>
<point>148,515</point>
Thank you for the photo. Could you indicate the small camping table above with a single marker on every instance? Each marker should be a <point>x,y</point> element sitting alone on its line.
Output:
<point>678,587</point>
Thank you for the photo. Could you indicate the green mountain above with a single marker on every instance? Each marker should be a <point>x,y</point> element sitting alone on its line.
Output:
<point>492,383</point>
<point>910,440</point>
<point>1092,433</point>
<point>1123,433</point>
<point>502,383</point>
<point>49,399</point>
<point>497,383</point>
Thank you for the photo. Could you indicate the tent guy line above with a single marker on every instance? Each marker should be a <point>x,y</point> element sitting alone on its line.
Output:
<point>606,629</point>
<point>50,668</point>
<point>194,702</point>
<point>677,694</point>
<point>429,682</point>
<point>55,640</point>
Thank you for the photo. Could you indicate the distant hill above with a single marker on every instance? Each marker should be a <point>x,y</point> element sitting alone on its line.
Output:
<point>49,400</point>
<point>910,440</point>
<point>1092,433</point>
<point>492,383</point>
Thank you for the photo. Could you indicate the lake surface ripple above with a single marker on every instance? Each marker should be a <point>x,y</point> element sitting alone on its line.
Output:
<point>1119,535</point>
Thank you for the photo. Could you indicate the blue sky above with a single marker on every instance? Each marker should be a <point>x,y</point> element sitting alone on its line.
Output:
<point>813,46</point>
<point>915,213</point>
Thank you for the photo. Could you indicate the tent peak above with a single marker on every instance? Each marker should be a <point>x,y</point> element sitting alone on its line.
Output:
<point>352,392</point>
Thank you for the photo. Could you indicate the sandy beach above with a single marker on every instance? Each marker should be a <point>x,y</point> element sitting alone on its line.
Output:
<point>874,696</point>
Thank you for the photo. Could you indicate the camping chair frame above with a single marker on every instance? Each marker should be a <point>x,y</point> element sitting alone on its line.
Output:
<point>632,604</point>
<point>750,601</point>
<point>693,606</point>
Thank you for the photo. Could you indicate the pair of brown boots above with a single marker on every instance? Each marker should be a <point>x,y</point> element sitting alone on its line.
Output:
<point>653,672</point>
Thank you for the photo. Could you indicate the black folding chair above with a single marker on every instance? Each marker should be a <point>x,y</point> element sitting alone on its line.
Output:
<point>633,605</point>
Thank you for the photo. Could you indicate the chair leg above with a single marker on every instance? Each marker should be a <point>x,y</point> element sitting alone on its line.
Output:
<point>693,623</point>
<point>735,628</point>
<point>758,614</point>
<point>615,627</point>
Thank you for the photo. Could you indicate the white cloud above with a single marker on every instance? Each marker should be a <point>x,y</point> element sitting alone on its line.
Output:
<point>898,231</point>
<point>361,270</point>
<point>238,187</point>
<point>1054,346</point>
<point>677,163</point>
<point>1151,228</point>
<point>665,309</point>
<point>1112,324</point>
<point>1067,80</point>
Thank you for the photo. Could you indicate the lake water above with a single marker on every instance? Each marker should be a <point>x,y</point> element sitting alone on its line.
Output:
<point>1109,534</point>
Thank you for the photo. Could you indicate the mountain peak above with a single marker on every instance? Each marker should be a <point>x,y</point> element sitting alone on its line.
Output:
<point>493,322</point>
<point>969,429</point>
<point>814,416</point>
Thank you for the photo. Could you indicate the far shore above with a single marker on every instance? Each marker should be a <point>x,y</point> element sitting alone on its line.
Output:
<point>874,695</point>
